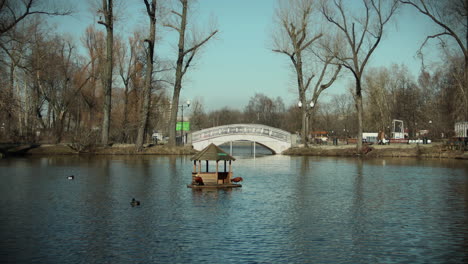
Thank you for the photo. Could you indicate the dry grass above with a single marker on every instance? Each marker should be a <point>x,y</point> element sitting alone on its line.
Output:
<point>117,149</point>
<point>394,150</point>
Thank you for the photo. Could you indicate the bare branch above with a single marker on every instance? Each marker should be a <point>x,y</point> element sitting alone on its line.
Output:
<point>425,11</point>
<point>7,23</point>
<point>172,26</point>
<point>311,41</point>
<point>176,13</point>
<point>431,37</point>
<point>198,45</point>
<point>332,80</point>
<point>187,64</point>
<point>284,51</point>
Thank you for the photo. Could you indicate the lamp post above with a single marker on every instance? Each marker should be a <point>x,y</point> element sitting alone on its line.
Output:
<point>306,123</point>
<point>431,134</point>
<point>187,104</point>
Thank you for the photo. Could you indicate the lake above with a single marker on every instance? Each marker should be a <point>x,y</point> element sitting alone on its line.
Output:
<point>289,210</point>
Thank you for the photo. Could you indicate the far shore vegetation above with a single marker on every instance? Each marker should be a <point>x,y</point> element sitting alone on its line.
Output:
<point>104,93</point>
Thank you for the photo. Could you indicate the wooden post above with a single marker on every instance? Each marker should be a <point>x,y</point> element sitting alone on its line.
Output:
<point>207,166</point>
<point>199,167</point>
<point>194,166</point>
<point>230,169</point>
<point>224,165</point>
<point>217,179</point>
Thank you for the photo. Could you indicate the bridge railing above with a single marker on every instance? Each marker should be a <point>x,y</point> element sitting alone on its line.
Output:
<point>243,129</point>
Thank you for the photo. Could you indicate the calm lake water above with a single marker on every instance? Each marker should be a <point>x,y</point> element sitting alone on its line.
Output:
<point>289,210</point>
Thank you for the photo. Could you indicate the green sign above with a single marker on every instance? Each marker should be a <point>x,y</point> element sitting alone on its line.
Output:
<point>185,126</point>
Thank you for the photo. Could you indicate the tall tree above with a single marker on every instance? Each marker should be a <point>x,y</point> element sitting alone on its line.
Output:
<point>451,16</point>
<point>185,56</point>
<point>107,11</point>
<point>362,34</point>
<point>128,67</point>
<point>94,42</point>
<point>60,81</point>
<point>377,82</point>
<point>144,112</point>
<point>294,37</point>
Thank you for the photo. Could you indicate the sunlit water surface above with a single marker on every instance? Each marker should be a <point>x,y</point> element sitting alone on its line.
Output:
<point>289,210</point>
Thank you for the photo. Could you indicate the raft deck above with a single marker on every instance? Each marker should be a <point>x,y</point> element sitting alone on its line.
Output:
<point>213,185</point>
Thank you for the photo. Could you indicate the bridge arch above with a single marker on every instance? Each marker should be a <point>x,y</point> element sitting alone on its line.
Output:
<point>277,140</point>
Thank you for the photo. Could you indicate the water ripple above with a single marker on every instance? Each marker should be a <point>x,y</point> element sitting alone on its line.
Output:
<point>289,210</point>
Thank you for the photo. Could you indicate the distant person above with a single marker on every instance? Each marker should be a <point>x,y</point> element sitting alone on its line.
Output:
<point>155,137</point>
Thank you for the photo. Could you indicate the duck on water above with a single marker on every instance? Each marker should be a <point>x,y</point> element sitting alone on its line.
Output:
<point>134,202</point>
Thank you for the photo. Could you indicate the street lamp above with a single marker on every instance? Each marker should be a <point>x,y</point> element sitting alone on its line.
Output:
<point>431,134</point>
<point>311,105</point>
<point>187,104</point>
<point>306,129</point>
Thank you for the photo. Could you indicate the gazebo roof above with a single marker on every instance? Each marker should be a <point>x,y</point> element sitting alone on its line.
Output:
<point>212,152</point>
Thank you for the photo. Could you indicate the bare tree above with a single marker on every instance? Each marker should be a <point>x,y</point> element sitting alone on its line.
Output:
<point>60,81</point>
<point>377,82</point>
<point>264,110</point>
<point>452,18</point>
<point>198,119</point>
<point>107,11</point>
<point>343,105</point>
<point>94,42</point>
<point>128,67</point>
<point>294,38</point>
<point>362,34</point>
<point>185,56</point>
<point>144,112</point>
<point>14,11</point>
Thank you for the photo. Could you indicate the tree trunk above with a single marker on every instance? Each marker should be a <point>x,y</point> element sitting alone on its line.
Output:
<point>174,111</point>
<point>179,75</point>
<point>9,123</point>
<point>125,114</point>
<point>304,126</point>
<point>107,80</point>
<point>59,126</point>
<point>465,85</point>
<point>144,113</point>
<point>359,109</point>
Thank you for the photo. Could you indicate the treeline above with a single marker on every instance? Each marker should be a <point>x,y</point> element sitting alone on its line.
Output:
<point>431,101</point>
<point>105,88</point>
<point>52,91</point>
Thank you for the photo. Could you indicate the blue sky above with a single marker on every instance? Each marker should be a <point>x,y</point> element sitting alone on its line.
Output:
<point>239,62</point>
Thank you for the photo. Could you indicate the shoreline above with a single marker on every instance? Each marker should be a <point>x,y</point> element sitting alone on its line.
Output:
<point>435,150</point>
<point>115,149</point>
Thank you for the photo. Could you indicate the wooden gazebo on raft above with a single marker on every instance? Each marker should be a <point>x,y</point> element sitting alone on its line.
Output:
<point>207,179</point>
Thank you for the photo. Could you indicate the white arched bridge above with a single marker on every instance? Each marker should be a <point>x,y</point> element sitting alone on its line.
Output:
<point>275,139</point>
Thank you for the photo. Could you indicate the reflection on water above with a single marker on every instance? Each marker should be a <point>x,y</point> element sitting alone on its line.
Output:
<point>289,210</point>
<point>245,149</point>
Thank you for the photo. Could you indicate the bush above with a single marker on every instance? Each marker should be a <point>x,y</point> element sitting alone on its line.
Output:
<point>85,141</point>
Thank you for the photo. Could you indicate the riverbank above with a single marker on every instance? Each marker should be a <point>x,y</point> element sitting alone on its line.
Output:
<point>436,150</point>
<point>115,149</point>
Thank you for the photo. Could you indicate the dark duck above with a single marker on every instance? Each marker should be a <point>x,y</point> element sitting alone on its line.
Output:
<point>134,202</point>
